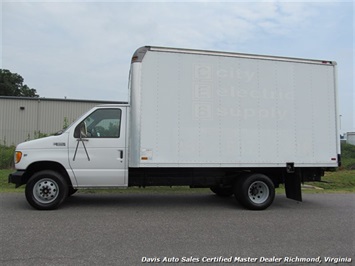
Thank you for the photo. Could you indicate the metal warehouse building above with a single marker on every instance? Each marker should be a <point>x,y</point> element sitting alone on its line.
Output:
<point>22,118</point>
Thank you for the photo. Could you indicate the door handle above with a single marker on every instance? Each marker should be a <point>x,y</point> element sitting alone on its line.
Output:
<point>121,154</point>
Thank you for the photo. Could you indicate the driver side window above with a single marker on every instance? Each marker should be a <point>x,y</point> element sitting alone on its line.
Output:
<point>102,123</point>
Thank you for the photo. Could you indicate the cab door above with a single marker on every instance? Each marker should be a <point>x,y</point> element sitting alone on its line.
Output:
<point>98,150</point>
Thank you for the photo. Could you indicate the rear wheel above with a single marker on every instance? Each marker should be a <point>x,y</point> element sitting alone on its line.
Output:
<point>46,190</point>
<point>255,191</point>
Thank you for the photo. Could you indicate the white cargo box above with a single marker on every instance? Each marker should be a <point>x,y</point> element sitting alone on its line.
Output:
<point>210,109</point>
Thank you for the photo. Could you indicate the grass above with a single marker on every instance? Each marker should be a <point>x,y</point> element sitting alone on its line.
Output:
<point>4,185</point>
<point>338,181</point>
<point>6,156</point>
<point>342,181</point>
<point>347,156</point>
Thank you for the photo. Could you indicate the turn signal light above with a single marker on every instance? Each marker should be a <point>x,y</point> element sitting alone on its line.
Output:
<point>18,156</point>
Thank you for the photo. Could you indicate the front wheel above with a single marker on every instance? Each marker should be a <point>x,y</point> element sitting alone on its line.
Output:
<point>46,190</point>
<point>255,191</point>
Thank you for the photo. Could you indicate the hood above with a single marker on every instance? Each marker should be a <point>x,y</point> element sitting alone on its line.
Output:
<point>45,143</point>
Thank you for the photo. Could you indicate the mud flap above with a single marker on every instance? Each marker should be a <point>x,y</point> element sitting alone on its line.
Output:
<point>293,185</point>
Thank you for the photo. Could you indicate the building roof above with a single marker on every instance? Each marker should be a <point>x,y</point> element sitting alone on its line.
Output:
<point>60,100</point>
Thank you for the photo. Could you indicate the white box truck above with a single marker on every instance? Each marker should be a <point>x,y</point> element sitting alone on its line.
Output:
<point>236,123</point>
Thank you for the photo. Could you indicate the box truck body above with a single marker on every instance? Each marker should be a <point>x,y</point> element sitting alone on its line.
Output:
<point>230,110</point>
<point>239,124</point>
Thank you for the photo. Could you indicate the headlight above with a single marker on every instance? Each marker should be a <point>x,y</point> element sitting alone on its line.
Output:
<point>18,156</point>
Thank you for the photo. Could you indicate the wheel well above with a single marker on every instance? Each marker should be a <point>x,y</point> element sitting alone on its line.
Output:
<point>47,165</point>
<point>275,176</point>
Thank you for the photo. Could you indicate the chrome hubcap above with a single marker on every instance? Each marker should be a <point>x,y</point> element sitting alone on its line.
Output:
<point>45,190</point>
<point>258,192</point>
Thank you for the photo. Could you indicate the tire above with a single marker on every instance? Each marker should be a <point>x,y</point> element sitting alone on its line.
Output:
<point>46,190</point>
<point>222,191</point>
<point>255,191</point>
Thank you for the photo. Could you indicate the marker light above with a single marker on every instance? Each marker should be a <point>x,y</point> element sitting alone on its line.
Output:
<point>134,59</point>
<point>18,156</point>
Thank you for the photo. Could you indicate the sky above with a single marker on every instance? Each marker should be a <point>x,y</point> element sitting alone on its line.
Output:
<point>83,49</point>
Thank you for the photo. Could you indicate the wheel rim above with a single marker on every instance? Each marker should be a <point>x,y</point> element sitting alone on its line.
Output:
<point>46,191</point>
<point>258,192</point>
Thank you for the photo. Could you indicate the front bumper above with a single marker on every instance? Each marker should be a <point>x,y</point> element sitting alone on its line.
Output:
<point>18,178</point>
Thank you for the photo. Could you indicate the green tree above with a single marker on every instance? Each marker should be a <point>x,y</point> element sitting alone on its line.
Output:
<point>11,84</point>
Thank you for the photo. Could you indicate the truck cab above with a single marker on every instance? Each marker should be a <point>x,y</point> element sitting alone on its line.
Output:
<point>91,153</point>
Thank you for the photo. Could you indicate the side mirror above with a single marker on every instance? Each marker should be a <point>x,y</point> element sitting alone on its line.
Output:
<point>81,131</point>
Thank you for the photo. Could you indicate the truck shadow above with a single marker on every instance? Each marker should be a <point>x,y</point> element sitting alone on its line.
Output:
<point>168,201</point>
<point>150,201</point>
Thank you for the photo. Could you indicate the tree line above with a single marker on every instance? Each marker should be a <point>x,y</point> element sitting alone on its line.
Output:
<point>12,84</point>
